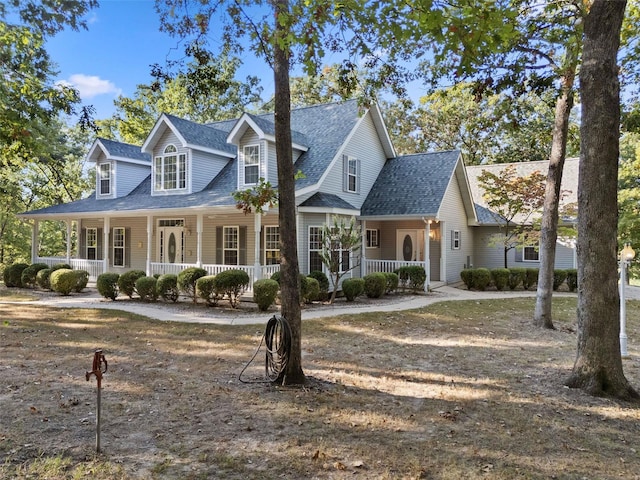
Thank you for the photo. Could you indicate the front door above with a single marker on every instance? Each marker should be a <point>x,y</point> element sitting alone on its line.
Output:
<point>171,245</point>
<point>410,245</point>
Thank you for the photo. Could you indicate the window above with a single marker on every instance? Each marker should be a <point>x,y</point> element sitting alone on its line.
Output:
<point>373,238</point>
<point>230,245</point>
<point>351,174</point>
<point>531,254</point>
<point>170,170</point>
<point>340,257</point>
<point>92,244</point>
<point>315,247</point>
<point>271,245</point>
<point>118,247</point>
<point>455,239</point>
<point>104,179</point>
<point>251,164</point>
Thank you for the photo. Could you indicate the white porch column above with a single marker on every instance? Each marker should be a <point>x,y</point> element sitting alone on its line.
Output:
<point>68,224</point>
<point>363,249</point>
<point>445,245</point>
<point>199,228</point>
<point>78,237</point>
<point>35,234</point>
<point>149,240</point>
<point>105,244</point>
<point>257,228</point>
<point>427,254</point>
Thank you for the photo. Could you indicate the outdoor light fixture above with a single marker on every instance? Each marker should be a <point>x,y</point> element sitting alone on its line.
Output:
<point>140,244</point>
<point>626,255</point>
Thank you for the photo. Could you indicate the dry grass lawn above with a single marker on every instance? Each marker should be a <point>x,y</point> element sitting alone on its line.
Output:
<point>459,390</point>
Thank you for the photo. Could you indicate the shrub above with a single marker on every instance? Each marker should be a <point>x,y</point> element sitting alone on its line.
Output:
<point>12,274</point>
<point>375,284</point>
<point>353,288</point>
<point>187,279</point>
<point>412,277</point>
<point>146,288</point>
<point>313,290</point>
<point>559,276</point>
<point>467,277</point>
<point>530,278</point>
<point>127,282</point>
<point>572,279</point>
<point>206,290</point>
<point>500,277</point>
<point>107,285</point>
<point>481,278</point>
<point>516,277</point>
<point>276,277</point>
<point>168,287</point>
<point>63,281</point>
<point>58,266</point>
<point>28,277</point>
<point>42,278</point>
<point>323,281</point>
<point>392,282</point>
<point>231,283</point>
<point>265,292</point>
<point>82,278</point>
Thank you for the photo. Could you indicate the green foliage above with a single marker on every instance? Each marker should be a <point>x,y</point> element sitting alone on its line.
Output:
<point>530,278</point>
<point>276,276</point>
<point>481,278</point>
<point>323,282</point>
<point>107,285</point>
<point>392,281</point>
<point>572,279</point>
<point>146,288</point>
<point>265,292</point>
<point>206,290</point>
<point>412,276</point>
<point>187,279</point>
<point>341,242</point>
<point>231,283</point>
<point>58,266</point>
<point>12,275</point>
<point>256,198</point>
<point>82,279</point>
<point>127,282</point>
<point>559,276</point>
<point>516,277</point>
<point>353,288</point>
<point>375,285</point>
<point>29,274</point>
<point>63,281</point>
<point>500,277</point>
<point>467,277</point>
<point>168,287</point>
<point>42,278</point>
<point>313,290</point>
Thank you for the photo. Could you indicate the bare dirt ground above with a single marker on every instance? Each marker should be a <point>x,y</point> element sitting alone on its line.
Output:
<point>456,390</point>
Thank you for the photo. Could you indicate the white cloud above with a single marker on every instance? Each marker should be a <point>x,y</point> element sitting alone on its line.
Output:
<point>90,86</point>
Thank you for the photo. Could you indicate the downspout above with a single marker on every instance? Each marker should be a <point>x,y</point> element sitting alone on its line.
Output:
<point>199,228</point>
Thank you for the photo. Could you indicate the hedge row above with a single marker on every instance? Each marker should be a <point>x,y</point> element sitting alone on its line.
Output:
<point>527,278</point>
<point>60,278</point>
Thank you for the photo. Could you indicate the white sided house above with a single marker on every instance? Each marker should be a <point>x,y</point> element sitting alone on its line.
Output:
<point>168,205</point>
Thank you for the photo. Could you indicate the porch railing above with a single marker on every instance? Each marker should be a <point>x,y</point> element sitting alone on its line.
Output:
<point>94,267</point>
<point>387,266</point>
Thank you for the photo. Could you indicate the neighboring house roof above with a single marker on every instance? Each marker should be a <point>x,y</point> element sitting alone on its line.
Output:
<point>117,150</point>
<point>569,185</point>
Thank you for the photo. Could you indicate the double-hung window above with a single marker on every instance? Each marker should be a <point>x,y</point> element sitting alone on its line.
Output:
<point>92,244</point>
<point>104,179</point>
<point>170,170</point>
<point>315,247</point>
<point>251,154</point>
<point>271,245</point>
<point>351,181</point>
<point>340,257</point>
<point>118,247</point>
<point>373,238</point>
<point>531,253</point>
<point>455,239</point>
<point>230,245</point>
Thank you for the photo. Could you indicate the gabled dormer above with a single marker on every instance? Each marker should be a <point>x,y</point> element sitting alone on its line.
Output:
<point>120,167</point>
<point>186,155</point>
<point>255,139</point>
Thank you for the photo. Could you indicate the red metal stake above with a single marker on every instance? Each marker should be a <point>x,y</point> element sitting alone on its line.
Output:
<point>98,360</point>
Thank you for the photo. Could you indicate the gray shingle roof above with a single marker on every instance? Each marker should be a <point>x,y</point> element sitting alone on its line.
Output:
<point>327,200</point>
<point>411,185</point>
<point>267,125</point>
<point>202,135</point>
<point>124,150</point>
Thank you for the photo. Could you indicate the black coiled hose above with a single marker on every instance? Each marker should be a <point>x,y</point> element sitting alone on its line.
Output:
<point>277,340</point>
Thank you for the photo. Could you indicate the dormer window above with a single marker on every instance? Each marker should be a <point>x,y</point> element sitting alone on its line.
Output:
<point>170,170</point>
<point>104,179</point>
<point>251,154</point>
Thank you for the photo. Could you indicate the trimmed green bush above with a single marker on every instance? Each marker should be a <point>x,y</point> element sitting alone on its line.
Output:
<point>231,283</point>
<point>168,287</point>
<point>187,279</point>
<point>313,290</point>
<point>276,277</point>
<point>58,266</point>
<point>206,290</point>
<point>500,277</point>
<point>481,278</point>
<point>28,277</point>
<point>127,281</point>
<point>412,277</point>
<point>107,285</point>
<point>559,276</point>
<point>82,278</point>
<point>353,288</point>
<point>467,277</point>
<point>265,292</point>
<point>63,281</point>
<point>12,275</point>
<point>323,281</point>
<point>572,279</point>
<point>375,285</point>
<point>516,277</point>
<point>392,281</point>
<point>42,278</point>
<point>146,288</point>
<point>530,278</point>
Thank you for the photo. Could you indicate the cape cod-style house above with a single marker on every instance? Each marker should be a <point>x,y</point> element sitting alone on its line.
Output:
<point>167,205</point>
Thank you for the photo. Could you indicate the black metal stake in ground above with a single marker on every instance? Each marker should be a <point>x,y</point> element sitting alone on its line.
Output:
<point>98,361</point>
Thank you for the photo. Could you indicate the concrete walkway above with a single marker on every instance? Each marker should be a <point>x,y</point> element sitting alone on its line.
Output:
<point>183,312</point>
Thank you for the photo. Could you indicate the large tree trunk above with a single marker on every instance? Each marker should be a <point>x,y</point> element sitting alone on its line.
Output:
<point>549,227</point>
<point>289,277</point>
<point>598,365</point>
